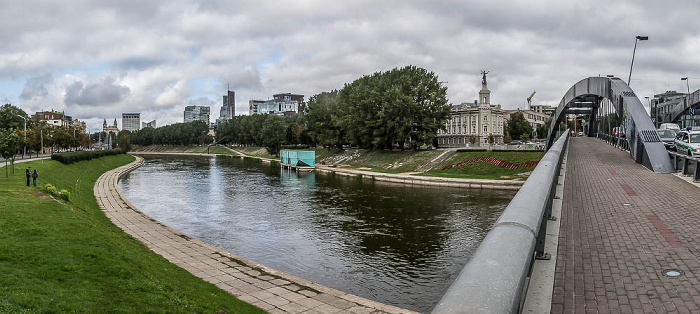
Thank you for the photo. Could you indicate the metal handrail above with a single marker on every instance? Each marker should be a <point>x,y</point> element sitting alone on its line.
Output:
<point>494,280</point>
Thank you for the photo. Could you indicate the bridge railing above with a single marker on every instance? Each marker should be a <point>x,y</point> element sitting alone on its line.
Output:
<point>495,279</point>
<point>686,164</point>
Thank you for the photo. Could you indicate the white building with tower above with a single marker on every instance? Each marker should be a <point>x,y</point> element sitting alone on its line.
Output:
<point>478,123</point>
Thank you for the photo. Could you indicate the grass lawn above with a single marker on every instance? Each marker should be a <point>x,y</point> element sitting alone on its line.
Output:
<point>68,257</point>
<point>386,161</point>
<point>484,170</point>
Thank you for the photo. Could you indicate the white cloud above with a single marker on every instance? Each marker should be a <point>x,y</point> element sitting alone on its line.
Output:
<point>154,48</point>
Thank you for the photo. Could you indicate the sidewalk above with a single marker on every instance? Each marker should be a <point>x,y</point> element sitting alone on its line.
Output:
<point>622,225</point>
<point>269,289</point>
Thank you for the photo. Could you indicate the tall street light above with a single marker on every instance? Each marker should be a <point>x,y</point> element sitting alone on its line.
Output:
<point>638,38</point>
<point>25,135</point>
<point>686,84</point>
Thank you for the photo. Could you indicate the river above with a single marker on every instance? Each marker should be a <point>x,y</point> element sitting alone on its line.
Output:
<point>396,244</point>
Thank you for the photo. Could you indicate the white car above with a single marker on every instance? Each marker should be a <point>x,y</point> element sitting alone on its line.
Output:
<point>688,142</point>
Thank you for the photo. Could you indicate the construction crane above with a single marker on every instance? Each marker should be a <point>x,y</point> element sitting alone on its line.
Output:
<point>529,100</point>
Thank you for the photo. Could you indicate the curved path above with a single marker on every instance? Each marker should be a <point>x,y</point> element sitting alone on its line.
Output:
<point>269,289</point>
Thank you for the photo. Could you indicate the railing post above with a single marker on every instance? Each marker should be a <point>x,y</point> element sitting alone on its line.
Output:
<point>685,165</point>
<point>696,173</point>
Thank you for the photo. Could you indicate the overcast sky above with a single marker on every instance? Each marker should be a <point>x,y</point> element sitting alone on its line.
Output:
<point>97,60</point>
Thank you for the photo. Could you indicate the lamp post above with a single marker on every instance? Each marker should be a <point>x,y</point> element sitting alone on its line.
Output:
<point>25,135</point>
<point>687,85</point>
<point>638,38</point>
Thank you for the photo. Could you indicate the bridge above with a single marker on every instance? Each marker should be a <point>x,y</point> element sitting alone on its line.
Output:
<point>603,224</point>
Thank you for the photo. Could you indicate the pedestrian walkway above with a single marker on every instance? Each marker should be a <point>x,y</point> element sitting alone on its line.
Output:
<point>269,289</point>
<point>622,226</point>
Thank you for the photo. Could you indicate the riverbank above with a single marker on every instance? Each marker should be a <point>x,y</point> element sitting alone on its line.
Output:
<point>449,168</point>
<point>61,256</point>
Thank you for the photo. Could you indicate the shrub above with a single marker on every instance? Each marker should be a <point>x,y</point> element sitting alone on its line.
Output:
<point>69,158</point>
<point>65,195</point>
<point>51,189</point>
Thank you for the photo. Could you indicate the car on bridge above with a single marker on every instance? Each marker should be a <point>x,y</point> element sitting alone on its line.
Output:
<point>668,136</point>
<point>688,142</point>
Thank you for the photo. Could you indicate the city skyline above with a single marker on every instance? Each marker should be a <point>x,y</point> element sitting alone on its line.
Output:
<point>98,60</point>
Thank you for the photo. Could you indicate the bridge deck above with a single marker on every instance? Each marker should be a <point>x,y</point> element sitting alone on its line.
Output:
<point>611,256</point>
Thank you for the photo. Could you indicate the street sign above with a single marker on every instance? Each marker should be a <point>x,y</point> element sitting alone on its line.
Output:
<point>653,120</point>
<point>691,110</point>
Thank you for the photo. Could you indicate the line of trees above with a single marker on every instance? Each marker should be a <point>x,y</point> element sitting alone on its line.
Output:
<point>190,133</point>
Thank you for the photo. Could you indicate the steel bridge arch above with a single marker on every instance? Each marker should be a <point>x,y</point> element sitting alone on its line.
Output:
<point>683,106</point>
<point>590,94</point>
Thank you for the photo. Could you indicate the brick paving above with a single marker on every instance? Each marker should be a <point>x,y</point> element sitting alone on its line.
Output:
<point>611,256</point>
<point>269,289</point>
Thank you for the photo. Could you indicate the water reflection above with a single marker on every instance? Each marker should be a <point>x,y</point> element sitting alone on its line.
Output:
<point>401,245</point>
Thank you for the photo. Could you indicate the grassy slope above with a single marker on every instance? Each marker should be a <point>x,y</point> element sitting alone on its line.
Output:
<point>391,161</point>
<point>483,170</point>
<point>58,257</point>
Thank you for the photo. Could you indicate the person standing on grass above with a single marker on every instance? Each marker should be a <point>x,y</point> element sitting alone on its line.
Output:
<point>34,176</point>
<point>29,174</point>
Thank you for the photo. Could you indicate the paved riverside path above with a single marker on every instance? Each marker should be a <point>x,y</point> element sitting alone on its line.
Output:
<point>611,256</point>
<point>271,290</point>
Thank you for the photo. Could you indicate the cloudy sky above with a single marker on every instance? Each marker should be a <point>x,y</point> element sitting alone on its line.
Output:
<point>97,60</point>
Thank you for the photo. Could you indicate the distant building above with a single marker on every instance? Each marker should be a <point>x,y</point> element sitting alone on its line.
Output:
<point>79,126</point>
<point>110,128</point>
<point>151,124</point>
<point>662,104</point>
<point>477,123</point>
<point>548,110</point>
<point>194,113</point>
<point>53,118</point>
<point>280,104</point>
<point>253,106</point>
<point>228,106</point>
<point>131,121</point>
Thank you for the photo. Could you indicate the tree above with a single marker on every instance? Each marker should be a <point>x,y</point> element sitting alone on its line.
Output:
<point>405,106</point>
<point>518,127</point>
<point>8,146</point>
<point>543,129</point>
<point>124,140</point>
<point>272,133</point>
<point>323,120</point>
<point>10,117</point>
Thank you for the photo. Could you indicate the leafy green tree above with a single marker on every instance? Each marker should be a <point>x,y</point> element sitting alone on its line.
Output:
<point>543,130</point>
<point>272,133</point>
<point>405,106</point>
<point>8,146</point>
<point>10,117</point>
<point>124,140</point>
<point>518,127</point>
<point>323,116</point>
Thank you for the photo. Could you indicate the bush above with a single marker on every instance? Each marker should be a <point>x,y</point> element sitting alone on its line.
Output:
<point>69,158</point>
<point>65,195</point>
<point>51,189</point>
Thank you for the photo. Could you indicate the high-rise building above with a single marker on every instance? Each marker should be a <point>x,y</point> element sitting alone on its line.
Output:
<point>194,113</point>
<point>131,121</point>
<point>228,106</point>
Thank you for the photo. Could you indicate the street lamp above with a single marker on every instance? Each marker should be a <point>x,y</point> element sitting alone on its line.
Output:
<point>686,84</point>
<point>25,135</point>
<point>638,38</point>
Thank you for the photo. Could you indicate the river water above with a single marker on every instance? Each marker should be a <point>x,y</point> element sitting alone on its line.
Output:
<point>396,244</point>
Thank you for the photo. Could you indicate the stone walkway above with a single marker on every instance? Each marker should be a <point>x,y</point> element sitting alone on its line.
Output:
<point>622,225</point>
<point>269,289</point>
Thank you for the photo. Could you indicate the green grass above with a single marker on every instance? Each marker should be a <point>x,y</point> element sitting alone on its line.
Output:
<point>390,161</point>
<point>68,257</point>
<point>483,170</point>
